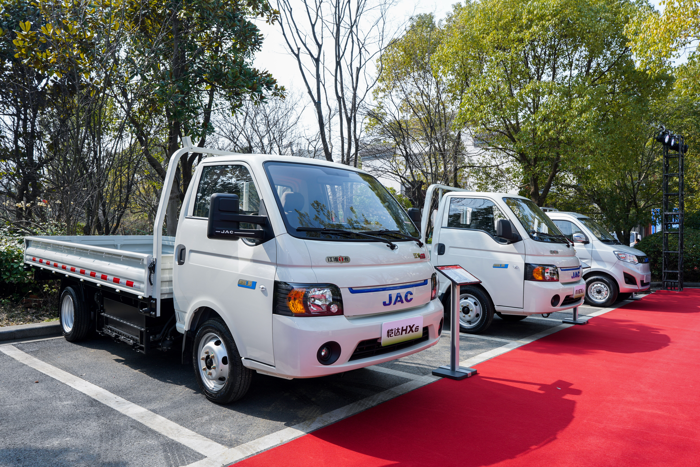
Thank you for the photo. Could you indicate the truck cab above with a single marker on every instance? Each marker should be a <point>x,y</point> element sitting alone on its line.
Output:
<point>617,271</point>
<point>290,267</point>
<point>526,266</point>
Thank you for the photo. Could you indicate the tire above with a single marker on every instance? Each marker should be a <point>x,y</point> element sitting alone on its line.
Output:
<point>476,310</point>
<point>218,368</point>
<point>623,296</point>
<point>73,315</point>
<point>601,291</point>
<point>511,318</point>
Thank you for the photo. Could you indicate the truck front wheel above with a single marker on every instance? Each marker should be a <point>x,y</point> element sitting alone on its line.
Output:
<point>601,291</point>
<point>475,310</point>
<point>217,364</point>
<point>73,315</point>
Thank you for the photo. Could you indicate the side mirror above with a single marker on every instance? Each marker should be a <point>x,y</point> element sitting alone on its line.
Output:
<point>224,219</point>
<point>414,214</point>
<point>505,229</point>
<point>578,237</point>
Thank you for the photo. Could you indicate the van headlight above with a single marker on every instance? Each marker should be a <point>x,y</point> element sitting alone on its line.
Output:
<point>541,272</point>
<point>626,257</point>
<point>305,300</point>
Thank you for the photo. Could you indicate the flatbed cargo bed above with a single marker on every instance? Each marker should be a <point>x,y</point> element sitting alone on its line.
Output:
<point>120,262</point>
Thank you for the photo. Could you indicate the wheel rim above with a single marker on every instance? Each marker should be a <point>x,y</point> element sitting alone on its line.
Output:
<point>598,291</point>
<point>213,362</point>
<point>470,311</point>
<point>67,313</point>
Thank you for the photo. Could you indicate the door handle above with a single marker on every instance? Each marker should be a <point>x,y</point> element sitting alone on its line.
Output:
<point>440,248</point>
<point>180,253</point>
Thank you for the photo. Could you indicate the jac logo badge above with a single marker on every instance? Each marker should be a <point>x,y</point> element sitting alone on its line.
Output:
<point>407,298</point>
<point>576,275</point>
<point>337,259</point>
<point>419,255</point>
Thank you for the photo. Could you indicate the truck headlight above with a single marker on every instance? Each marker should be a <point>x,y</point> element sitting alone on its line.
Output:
<point>541,272</point>
<point>626,257</point>
<point>307,299</point>
<point>433,286</point>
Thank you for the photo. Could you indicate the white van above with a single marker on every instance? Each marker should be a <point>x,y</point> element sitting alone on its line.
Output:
<point>290,267</point>
<point>526,266</point>
<point>617,271</point>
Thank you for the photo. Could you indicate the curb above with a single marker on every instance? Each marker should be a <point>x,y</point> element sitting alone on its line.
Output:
<point>24,331</point>
<point>685,284</point>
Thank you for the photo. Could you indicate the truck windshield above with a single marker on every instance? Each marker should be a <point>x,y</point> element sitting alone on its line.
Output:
<point>597,230</point>
<point>538,225</point>
<point>330,203</point>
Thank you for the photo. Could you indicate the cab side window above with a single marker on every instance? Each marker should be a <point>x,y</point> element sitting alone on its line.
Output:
<point>474,214</point>
<point>231,179</point>
<point>567,228</point>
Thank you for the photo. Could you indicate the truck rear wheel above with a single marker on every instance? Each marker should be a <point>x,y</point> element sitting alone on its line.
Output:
<point>511,317</point>
<point>475,310</point>
<point>217,364</point>
<point>73,315</point>
<point>601,291</point>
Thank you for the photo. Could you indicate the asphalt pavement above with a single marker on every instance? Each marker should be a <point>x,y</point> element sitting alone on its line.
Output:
<point>106,405</point>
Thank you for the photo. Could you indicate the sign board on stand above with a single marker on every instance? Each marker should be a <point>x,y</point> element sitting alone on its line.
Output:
<point>458,276</point>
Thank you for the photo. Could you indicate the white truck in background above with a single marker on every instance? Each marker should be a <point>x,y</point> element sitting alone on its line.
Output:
<point>617,271</point>
<point>290,267</point>
<point>526,266</point>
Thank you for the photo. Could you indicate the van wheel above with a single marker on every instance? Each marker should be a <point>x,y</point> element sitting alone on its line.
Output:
<point>511,317</point>
<point>475,310</point>
<point>217,364</point>
<point>601,291</point>
<point>73,315</point>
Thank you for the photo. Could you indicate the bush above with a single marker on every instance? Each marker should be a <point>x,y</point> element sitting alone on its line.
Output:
<point>13,277</point>
<point>652,246</point>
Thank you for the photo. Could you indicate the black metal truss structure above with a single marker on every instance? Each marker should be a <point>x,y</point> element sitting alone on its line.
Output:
<point>672,210</point>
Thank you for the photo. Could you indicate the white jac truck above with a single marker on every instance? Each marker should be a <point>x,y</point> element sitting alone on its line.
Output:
<point>526,266</point>
<point>290,267</point>
<point>617,271</point>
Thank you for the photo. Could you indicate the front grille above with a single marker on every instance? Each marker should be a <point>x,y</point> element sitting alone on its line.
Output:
<point>643,259</point>
<point>569,300</point>
<point>373,347</point>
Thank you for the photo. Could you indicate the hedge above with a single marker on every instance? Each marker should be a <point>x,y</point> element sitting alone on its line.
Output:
<point>651,245</point>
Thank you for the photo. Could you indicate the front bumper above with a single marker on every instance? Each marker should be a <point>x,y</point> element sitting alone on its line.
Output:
<point>296,341</point>
<point>538,298</point>
<point>632,277</point>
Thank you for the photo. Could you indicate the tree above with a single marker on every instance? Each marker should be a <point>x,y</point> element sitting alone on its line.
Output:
<point>413,119</point>
<point>535,75</point>
<point>166,64</point>
<point>270,127</point>
<point>336,72</point>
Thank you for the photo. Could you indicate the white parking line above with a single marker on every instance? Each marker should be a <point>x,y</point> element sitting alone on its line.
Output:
<point>478,336</point>
<point>157,423</point>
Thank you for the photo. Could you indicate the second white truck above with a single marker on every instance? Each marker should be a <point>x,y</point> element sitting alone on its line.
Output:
<point>526,265</point>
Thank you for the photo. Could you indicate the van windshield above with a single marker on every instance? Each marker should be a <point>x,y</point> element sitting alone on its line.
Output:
<point>330,203</point>
<point>597,230</point>
<point>538,225</point>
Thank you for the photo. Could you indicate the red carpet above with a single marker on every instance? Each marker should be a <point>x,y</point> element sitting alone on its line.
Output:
<point>622,391</point>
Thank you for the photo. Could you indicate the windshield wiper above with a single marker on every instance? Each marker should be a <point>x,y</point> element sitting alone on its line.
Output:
<point>395,233</point>
<point>346,232</point>
<point>549,235</point>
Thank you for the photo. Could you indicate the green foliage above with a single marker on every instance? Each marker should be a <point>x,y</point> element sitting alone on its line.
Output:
<point>542,79</point>
<point>652,246</point>
<point>402,199</point>
<point>12,259</point>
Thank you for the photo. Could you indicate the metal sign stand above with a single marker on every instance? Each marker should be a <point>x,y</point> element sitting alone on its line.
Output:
<point>458,277</point>
<point>575,320</point>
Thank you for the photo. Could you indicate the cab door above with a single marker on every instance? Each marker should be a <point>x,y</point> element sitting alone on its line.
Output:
<point>233,277</point>
<point>569,228</point>
<point>468,233</point>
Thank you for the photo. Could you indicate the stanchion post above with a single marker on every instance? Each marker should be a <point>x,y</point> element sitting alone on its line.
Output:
<point>458,277</point>
<point>575,320</point>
